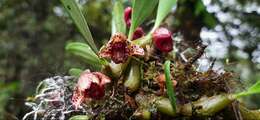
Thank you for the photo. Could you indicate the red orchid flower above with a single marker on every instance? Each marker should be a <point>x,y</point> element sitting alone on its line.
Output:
<point>162,39</point>
<point>91,85</point>
<point>118,49</point>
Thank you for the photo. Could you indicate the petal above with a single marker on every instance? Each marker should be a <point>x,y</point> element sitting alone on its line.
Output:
<point>118,37</point>
<point>77,98</point>
<point>85,80</point>
<point>104,79</point>
<point>136,50</point>
<point>105,52</point>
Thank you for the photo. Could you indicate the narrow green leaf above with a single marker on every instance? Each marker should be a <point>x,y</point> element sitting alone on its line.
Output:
<point>75,72</point>
<point>83,51</point>
<point>118,24</point>
<point>80,117</point>
<point>169,86</point>
<point>255,89</point>
<point>76,14</point>
<point>141,10</point>
<point>164,8</point>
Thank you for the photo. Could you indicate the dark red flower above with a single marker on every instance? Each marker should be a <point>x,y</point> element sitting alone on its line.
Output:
<point>138,33</point>
<point>162,39</point>
<point>118,49</point>
<point>127,16</point>
<point>91,85</point>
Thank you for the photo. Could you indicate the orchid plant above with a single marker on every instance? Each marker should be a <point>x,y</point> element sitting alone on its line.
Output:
<point>136,66</point>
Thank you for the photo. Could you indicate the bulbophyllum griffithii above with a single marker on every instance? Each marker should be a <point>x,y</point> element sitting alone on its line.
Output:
<point>91,85</point>
<point>118,49</point>
<point>162,39</point>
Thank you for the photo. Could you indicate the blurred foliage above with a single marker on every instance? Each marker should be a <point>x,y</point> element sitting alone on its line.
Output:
<point>5,91</point>
<point>33,35</point>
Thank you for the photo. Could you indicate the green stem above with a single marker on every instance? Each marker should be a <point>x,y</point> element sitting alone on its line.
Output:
<point>144,40</point>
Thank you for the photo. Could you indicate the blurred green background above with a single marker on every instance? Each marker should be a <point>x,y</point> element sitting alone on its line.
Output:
<point>33,34</point>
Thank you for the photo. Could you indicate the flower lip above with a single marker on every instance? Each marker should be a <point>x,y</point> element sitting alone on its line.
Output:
<point>95,91</point>
<point>119,53</point>
<point>118,49</point>
<point>163,40</point>
<point>91,85</point>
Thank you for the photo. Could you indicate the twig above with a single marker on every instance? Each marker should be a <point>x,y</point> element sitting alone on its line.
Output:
<point>212,64</point>
<point>193,59</point>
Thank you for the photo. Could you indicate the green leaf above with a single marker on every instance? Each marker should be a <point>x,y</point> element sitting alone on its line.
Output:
<point>164,8</point>
<point>83,51</point>
<point>141,10</point>
<point>75,72</point>
<point>80,117</point>
<point>169,86</point>
<point>118,24</point>
<point>255,89</point>
<point>76,14</point>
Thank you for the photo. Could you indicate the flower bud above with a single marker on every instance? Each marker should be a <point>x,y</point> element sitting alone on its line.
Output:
<point>127,16</point>
<point>162,39</point>
<point>138,33</point>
